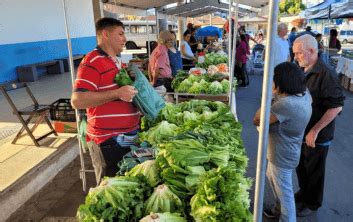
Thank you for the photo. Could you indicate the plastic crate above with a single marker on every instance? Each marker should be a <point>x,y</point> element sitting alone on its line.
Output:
<point>62,110</point>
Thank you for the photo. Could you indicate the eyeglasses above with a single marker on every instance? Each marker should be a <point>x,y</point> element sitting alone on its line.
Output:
<point>170,40</point>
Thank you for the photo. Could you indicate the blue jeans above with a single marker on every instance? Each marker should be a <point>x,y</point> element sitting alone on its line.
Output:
<point>281,184</point>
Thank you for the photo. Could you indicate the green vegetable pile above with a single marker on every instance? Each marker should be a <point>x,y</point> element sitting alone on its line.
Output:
<point>115,199</point>
<point>212,59</point>
<point>198,173</point>
<point>203,84</point>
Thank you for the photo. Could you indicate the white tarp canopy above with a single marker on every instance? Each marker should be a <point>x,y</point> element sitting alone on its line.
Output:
<point>342,10</point>
<point>143,4</point>
<point>330,9</point>
<point>200,7</point>
<point>147,4</point>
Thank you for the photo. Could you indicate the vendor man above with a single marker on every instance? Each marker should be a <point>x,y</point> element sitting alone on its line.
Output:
<point>112,120</point>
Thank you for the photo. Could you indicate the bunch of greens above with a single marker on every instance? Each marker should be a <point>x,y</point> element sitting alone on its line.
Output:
<point>163,200</point>
<point>212,59</point>
<point>180,76</point>
<point>202,84</point>
<point>159,133</point>
<point>222,195</point>
<point>123,78</point>
<point>149,169</point>
<point>115,199</point>
<point>164,217</point>
<point>189,152</point>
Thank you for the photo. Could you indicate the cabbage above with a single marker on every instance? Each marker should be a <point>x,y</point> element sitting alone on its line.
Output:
<point>157,134</point>
<point>184,86</point>
<point>215,88</point>
<point>225,85</point>
<point>190,116</point>
<point>165,217</point>
<point>149,169</point>
<point>193,78</point>
<point>212,69</point>
<point>196,88</point>
<point>204,85</point>
<point>163,200</point>
<point>207,115</point>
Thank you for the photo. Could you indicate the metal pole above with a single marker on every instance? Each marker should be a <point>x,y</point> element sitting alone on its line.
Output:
<point>230,40</point>
<point>233,38</point>
<point>157,23</point>
<point>148,36</point>
<point>265,111</point>
<point>328,39</point>
<point>72,72</point>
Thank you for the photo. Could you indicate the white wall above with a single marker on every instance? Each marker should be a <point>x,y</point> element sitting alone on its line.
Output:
<point>42,20</point>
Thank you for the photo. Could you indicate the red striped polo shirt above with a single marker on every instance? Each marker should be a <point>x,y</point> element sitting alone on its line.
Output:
<point>96,73</point>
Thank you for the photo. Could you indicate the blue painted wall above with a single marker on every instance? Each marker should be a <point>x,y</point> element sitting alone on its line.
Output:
<point>13,55</point>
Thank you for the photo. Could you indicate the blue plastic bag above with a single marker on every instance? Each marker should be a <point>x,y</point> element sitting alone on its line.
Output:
<point>147,100</point>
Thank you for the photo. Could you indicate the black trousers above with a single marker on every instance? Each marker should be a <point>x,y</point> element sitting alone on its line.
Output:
<point>166,82</point>
<point>105,158</point>
<point>188,64</point>
<point>311,176</point>
<point>241,74</point>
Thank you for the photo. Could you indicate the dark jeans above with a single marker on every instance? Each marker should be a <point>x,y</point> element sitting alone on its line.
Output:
<point>105,157</point>
<point>311,176</point>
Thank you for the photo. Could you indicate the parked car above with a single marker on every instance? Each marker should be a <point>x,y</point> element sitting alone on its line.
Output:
<point>345,36</point>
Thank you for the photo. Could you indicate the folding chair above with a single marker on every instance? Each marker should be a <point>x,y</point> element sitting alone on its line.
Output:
<point>36,111</point>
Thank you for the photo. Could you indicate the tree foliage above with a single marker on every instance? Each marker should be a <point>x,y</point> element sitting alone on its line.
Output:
<point>291,7</point>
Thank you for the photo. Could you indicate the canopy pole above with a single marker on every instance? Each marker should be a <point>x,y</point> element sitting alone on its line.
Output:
<point>265,111</point>
<point>148,35</point>
<point>232,49</point>
<point>72,72</point>
<point>157,22</point>
<point>328,39</point>
<point>230,36</point>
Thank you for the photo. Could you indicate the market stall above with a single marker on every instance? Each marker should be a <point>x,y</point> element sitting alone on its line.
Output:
<point>203,209</point>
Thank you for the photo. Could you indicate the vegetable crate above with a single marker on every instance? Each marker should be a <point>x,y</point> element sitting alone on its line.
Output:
<point>62,110</point>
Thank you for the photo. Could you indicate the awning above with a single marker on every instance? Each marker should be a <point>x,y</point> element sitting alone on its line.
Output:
<point>198,8</point>
<point>143,4</point>
<point>331,9</point>
<point>342,10</point>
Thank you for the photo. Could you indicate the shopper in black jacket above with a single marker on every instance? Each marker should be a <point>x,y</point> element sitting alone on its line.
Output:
<point>328,100</point>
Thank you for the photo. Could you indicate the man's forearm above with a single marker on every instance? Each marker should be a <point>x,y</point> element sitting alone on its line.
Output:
<point>327,118</point>
<point>83,100</point>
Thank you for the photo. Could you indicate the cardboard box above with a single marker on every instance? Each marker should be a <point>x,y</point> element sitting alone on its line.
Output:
<point>65,127</point>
